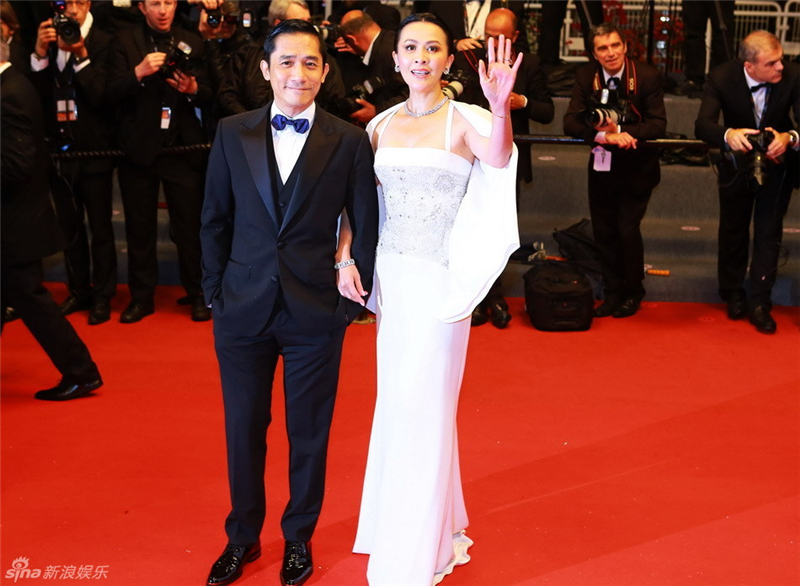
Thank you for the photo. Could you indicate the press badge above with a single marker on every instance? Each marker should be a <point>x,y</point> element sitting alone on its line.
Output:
<point>602,159</point>
<point>166,116</point>
<point>66,111</point>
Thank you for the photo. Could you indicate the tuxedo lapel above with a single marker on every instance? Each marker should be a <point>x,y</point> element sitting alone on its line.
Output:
<point>255,134</point>
<point>320,146</point>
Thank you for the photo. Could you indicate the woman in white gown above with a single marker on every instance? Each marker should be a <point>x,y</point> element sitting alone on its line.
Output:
<point>446,177</point>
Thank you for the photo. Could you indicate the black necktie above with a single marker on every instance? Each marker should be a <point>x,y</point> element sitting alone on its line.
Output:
<point>612,83</point>
<point>279,122</point>
<point>755,88</point>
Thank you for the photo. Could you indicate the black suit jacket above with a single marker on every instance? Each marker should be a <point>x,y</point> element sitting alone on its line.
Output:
<point>140,103</point>
<point>452,13</point>
<point>249,256</point>
<point>639,165</point>
<point>93,130</point>
<point>726,91</point>
<point>29,228</point>
<point>381,65</point>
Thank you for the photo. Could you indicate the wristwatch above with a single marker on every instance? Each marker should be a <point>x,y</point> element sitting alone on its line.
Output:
<point>793,138</point>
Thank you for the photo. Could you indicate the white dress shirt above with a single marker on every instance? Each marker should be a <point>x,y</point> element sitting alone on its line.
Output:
<point>288,142</point>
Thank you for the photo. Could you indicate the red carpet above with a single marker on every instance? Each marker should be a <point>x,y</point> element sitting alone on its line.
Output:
<point>657,450</point>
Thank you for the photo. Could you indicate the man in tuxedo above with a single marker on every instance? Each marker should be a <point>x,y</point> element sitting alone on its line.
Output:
<point>278,179</point>
<point>29,233</point>
<point>372,47</point>
<point>756,93</point>
<point>71,80</point>
<point>621,176</point>
<point>157,94</point>
<point>529,101</point>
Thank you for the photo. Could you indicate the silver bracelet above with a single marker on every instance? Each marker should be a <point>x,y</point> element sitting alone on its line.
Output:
<point>344,263</point>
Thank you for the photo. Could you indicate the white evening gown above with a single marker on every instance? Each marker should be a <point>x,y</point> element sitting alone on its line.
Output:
<point>413,516</point>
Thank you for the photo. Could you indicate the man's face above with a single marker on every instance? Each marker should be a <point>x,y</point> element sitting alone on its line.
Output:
<point>768,66</point>
<point>295,71</point>
<point>78,9</point>
<point>609,50</point>
<point>159,14</point>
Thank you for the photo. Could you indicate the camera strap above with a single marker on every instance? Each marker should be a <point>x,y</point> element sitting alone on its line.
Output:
<point>630,84</point>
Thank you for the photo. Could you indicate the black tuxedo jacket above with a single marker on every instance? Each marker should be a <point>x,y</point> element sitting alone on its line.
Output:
<point>381,65</point>
<point>140,103</point>
<point>29,230</point>
<point>93,130</point>
<point>639,165</point>
<point>249,255</point>
<point>726,91</point>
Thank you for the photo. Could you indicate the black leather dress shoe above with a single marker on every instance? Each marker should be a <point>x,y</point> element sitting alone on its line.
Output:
<point>199,310</point>
<point>499,313</point>
<point>628,307</point>
<point>72,304</point>
<point>64,391</point>
<point>761,318</point>
<point>479,315</point>
<point>100,313</point>
<point>135,312</point>
<point>297,564</point>
<point>9,314</point>
<point>231,563</point>
<point>737,305</point>
<point>606,308</point>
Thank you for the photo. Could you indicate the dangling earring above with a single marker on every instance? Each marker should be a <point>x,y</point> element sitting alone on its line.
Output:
<point>397,69</point>
<point>447,71</point>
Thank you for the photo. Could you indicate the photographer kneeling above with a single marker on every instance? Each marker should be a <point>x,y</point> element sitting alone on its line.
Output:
<point>615,103</point>
<point>755,94</point>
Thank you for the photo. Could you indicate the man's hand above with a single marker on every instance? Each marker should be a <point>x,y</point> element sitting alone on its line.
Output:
<point>342,46</point>
<point>151,63</point>
<point>79,48</point>
<point>621,139</point>
<point>607,125</point>
<point>184,83</point>
<point>206,31</point>
<point>365,114</point>
<point>779,144</point>
<point>348,280</point>
<point>737,138</point>
<point>468,43</point>
<point>517,101</point>
<point>44,36</point>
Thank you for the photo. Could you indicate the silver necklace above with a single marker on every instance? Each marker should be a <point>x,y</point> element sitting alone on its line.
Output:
<point>426,112</point>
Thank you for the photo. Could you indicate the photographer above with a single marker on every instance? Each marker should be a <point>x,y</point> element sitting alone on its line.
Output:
<point>621,176</point>
<point>157,80</point>
<point>69,68</point>
<point>755,95</point>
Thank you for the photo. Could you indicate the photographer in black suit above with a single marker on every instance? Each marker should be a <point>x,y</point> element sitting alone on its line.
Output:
<point>621,176</point>
<point>29,233</point>
<point>70,75</point>
<point>157,80</point>
<point>755,94</point>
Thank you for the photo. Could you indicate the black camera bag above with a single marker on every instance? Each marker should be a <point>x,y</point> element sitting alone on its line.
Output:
<point>558,297</point>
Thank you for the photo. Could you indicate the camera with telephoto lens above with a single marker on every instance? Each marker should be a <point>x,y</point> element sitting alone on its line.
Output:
<point>328,31</point>
<point>610,105</point>
<point>361,91</point>
<point>177,59</point>
<point>457,82</point>
<point>757,156</point>
<point>67,28</point>
<point>214,17</point>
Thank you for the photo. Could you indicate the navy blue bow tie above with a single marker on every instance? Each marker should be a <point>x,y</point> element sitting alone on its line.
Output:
<point>755,88</point>
<point>279,122</point>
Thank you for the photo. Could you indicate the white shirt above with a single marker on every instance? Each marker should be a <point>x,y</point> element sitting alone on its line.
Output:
<point>288,142</point>
<point>476,17</point>
<point>368,54</point>
<point>600,137</point>
<point>63,56</point>
<point>759,98</point>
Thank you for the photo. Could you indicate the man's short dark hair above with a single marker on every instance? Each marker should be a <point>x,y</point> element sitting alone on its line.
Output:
<point>293,26</point>
<point>606,28</point>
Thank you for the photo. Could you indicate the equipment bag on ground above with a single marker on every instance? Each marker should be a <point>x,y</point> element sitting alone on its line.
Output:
<point>558,297</point>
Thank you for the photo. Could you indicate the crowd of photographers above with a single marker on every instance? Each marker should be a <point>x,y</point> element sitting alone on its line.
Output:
<point>152,78</point>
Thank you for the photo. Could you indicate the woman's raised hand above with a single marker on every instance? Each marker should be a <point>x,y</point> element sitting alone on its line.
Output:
<point>498,74</point>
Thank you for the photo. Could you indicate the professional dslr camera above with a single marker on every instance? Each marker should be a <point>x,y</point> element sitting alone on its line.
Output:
<point>754,162</point>
<point>609,104</point>
<point>361,91</point>
<point>177,59</point>
<point>67,28</point>
<point>457,82</point>
<point>215,18</point>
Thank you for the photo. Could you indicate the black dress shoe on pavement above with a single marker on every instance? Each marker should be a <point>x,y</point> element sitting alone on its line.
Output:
<point>737,305</point>
<point>64,391</point>
<point>231,563</point>
<point>135,312</point>
<point>500,315</point>
<point>199,310</point>
<point>100,313</point>
<point>761,318</point>
<point>479,315</point>
<point>297,564</point>
<point>72,304</point>
<point>606,308</point>
<point>627,308</point>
